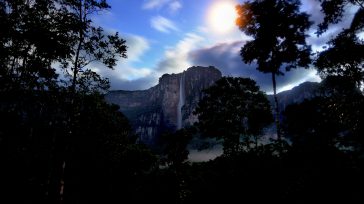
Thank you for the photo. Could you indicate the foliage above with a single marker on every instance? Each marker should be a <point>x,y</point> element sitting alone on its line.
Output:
<point>341,65</point>
<point>89,44</point>
<point>176,147</point>
<point>32,143</point>
<point>332,119</point>
<point>343,58</point>
<point>38,34</point>
<point>309,124</point>
<point>334,10</point>
<point>43,125</point>
<point>345,104</point>
<point>278,29</point>
<point>175,155</point>
<point>104,154</point>
<point>233,108</point>
<point>32,38</point>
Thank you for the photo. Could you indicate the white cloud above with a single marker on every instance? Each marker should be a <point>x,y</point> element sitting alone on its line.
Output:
<point>214,37</point>
<point>125,70</point>
<point>226,58</point>
<point>127,76</point>
<point>137,46</point>
<point>176,59</point>
<point>173,5</point>
<point>153,4</point>
<point>163,24</point>
<point>132,73</point>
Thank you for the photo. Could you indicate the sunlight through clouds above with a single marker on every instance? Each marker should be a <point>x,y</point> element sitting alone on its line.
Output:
<point>221,17</point>
<point>192,41</point>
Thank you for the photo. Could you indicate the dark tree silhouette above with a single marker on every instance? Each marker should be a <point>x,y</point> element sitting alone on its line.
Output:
<point>176,155</point>
<point>278,29</point>
<point>343,58</point>
<point>344,54</point>
<point>88,44</point>
<point>176,147</point>
<point>43,125</point>
<point>233,109</point>
<point>308,124</point>
<point>104,160</point>
<point>341,66</point>
<point>334,10</point>
<point>33,36</point>
<point>344,103</point>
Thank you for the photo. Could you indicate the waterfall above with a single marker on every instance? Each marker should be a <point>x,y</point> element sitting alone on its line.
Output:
<point>181,101</point>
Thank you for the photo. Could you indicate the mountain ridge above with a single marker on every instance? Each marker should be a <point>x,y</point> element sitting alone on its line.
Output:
<point>156,110</point>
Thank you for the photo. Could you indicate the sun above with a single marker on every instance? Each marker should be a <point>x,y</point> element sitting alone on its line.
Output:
<point>221,17</point>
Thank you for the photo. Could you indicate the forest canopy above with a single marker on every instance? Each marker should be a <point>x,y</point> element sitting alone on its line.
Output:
<point>61,142</point>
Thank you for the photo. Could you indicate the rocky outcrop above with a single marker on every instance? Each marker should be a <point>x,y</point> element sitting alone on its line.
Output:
<point>170,104</point>
<point>298,94</point>
<point>196,80</point>
<point>157,109</point>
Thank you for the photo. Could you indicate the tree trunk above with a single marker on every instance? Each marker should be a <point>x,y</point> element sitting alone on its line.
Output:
<point>256,142</point>
<point>76,69</point>
<point>79,46</point>
<point>276,108</point>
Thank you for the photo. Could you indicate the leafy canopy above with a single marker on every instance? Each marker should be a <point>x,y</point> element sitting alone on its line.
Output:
<point>233,108</point>
<point>278,29</point>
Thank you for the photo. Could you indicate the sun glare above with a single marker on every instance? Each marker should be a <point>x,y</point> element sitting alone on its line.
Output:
<point>221,17</point>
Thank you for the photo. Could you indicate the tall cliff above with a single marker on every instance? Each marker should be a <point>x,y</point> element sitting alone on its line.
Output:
<point>297,94</point>
<point>167,106</point>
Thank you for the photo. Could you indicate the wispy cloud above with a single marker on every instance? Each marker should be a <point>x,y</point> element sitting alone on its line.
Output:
<point>137,46</point>
<point>225,56</point>
<point>125,71</point>
<point>153,4</point>
<point>175,6</point>
<point>163,24</point>
<point>172,5</point>
<point>176,58</point>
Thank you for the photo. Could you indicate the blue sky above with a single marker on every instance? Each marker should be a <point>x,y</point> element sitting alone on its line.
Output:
<point>168,36</point>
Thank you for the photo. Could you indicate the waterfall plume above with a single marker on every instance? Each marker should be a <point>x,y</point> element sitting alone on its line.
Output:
<point>181,101</point>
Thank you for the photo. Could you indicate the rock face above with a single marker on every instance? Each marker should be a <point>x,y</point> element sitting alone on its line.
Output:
<point>298,94</point>
<point>166,106</point>
<point>169,105</point>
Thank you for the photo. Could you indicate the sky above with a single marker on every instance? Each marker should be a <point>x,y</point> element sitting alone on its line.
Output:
<point>169,36</point>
